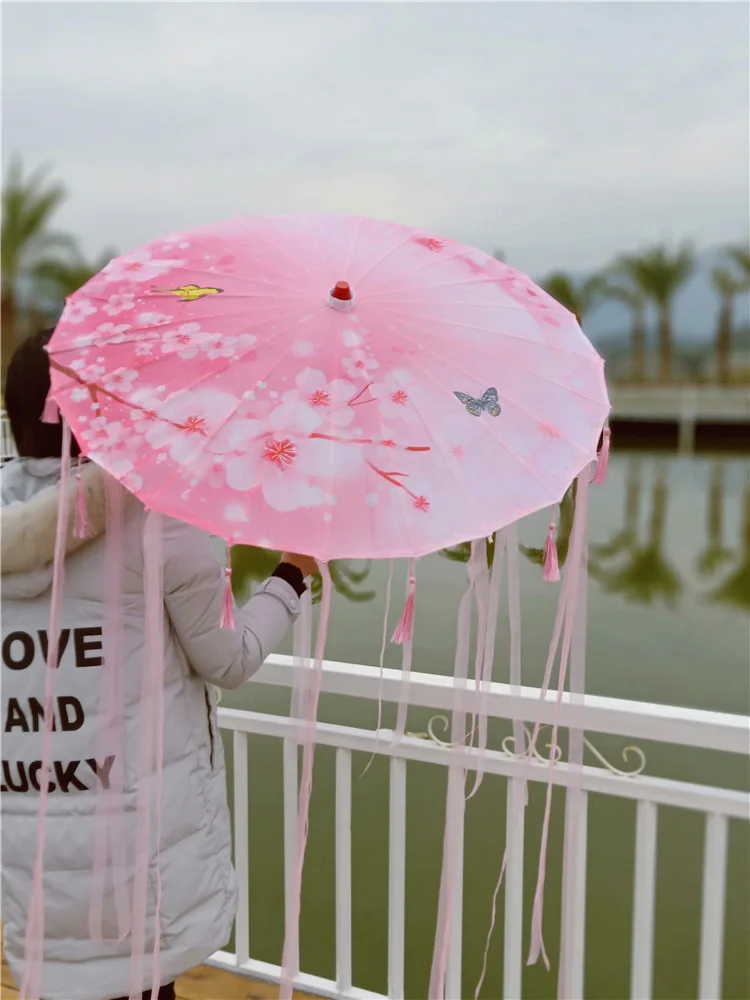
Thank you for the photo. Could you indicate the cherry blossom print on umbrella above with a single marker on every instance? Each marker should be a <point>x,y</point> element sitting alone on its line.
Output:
<point>331,385</point>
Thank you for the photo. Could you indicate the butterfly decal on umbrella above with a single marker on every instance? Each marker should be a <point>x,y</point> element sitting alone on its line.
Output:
<point>487,404</point>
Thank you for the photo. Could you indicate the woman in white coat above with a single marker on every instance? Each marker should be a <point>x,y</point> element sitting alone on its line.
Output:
<point>198,895</point>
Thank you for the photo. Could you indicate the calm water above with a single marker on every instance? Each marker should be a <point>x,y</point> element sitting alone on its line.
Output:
<point>668,622</point>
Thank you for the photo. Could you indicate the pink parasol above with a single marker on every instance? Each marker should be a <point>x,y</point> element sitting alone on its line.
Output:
<point>340,387</point>
<point>336,386</point>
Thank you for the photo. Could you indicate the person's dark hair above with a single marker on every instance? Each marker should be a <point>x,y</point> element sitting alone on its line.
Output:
<point>26,387</point>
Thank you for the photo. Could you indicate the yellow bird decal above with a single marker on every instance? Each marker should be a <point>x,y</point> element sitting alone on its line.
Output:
<point>189,293</point>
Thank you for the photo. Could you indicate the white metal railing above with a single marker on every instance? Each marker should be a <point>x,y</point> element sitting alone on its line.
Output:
<point>662,723</point>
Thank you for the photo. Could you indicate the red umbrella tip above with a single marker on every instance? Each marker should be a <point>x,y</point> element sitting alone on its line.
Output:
<point>342,291</point>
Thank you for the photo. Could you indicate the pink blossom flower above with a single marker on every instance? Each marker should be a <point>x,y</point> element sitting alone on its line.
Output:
<point>323,399</point>
<point>188,420</point>
<point>359,365</point>
<point>116,304</point>
<point>395,397</point>
<point>285,461</point>
<point>139,266</point>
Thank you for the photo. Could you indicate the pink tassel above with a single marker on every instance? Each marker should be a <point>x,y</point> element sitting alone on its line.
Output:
<point>51,411</point>
<point>404,631</point>
<point>602,459</point>
<point>551,565</point>
<point>227,610</point>
<point>82,527</point>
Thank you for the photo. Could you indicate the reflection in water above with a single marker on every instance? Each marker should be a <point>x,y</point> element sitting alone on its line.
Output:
<point>646,573</point>
<point>715,554</point>
<point>626,537</point>
<point>735,589</point>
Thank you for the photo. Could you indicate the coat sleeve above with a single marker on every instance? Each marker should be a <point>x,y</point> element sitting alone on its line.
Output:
<point>194,584</point>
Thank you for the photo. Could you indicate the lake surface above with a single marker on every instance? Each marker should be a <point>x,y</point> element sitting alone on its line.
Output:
<point>668,622</point>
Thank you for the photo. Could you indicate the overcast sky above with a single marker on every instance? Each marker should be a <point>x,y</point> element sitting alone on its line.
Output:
<point>562,132</point>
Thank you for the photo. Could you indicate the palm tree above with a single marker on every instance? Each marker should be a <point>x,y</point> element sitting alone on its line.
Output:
<point>624,283</point>
<point>735,590</point>
<point>579,296</point>
<point>647,574</point>
<point>28,204</point>
<point>740,257</point>
<point>662,272</point>
<point>727,285</point>
<point>715,554</point>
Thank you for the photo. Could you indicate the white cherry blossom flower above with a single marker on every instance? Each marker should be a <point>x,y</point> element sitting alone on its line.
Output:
<point>139,266</point>
<point>120,381</point>
<point>112,333</point>
<point>116,304</point>
<point>187,421</point>
<point>232,346</point>
<point>359,365</point>
<point>77,310</point>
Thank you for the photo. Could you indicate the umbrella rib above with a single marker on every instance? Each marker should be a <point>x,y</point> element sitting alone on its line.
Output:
<point>511,363</point>
<point>400,314</point>
<point>422,267</point>
<point>165,328</point>
<point>285,250</point>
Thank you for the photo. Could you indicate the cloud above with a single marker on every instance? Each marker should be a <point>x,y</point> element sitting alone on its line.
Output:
<point>562,132</point>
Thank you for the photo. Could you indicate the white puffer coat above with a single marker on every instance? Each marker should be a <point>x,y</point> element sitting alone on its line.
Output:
<point>198,886</point>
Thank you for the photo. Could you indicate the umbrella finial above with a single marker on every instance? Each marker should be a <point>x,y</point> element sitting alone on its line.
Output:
<point>341,296</point>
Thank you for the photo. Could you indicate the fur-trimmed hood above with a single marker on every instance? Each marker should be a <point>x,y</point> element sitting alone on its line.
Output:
<point>28,521</point>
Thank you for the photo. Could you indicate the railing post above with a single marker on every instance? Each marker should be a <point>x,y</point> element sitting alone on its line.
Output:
<point>291,798</point>
<point>712,915</point>
<point>241,846</point>
<point>396,879</point>
<point>642,961</point>
<point>514,837</point>
<point>344,870</point>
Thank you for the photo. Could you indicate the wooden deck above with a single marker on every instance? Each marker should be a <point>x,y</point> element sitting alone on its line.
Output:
<point>203,983</point>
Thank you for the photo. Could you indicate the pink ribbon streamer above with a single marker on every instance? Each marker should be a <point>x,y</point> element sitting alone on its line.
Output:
<point>150,758</point>
<point>486,642</point>
<point>455,800</point>
<point>565,986</point>
<point>31,979</point>
<point>575,578</point>
<point>109,816</point>
<point>381,662</point>
<point>290,954</point>
<point>407,648</point>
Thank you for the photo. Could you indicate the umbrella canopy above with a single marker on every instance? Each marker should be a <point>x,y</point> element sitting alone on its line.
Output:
<point>329,385</point>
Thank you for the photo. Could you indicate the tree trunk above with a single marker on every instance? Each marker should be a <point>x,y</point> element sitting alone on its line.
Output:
<point>7,330</point>
<point>724,340</point>
<point>665,343</point>
<point>639,343</point>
